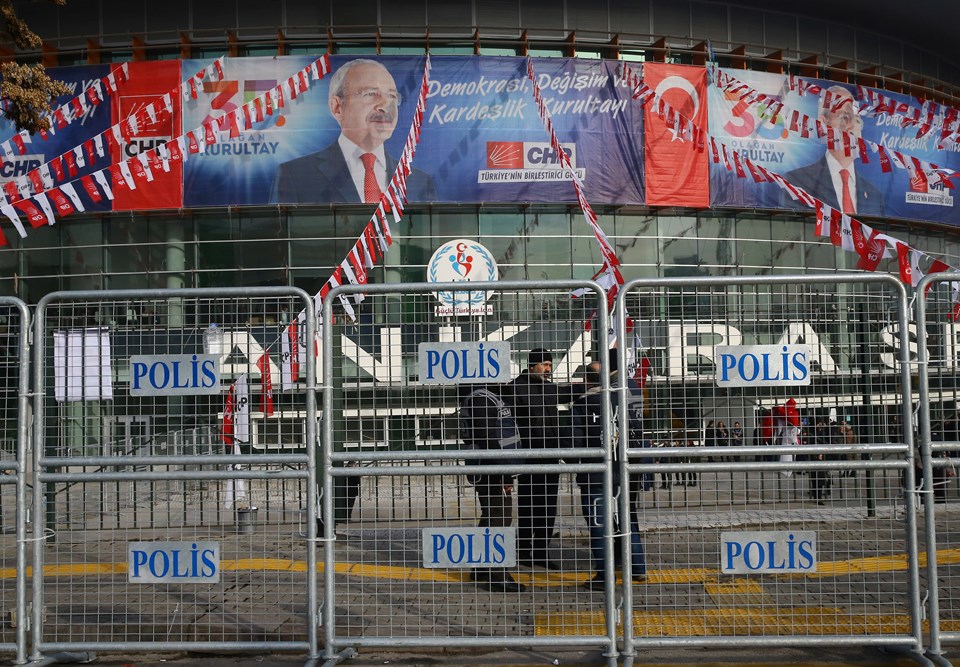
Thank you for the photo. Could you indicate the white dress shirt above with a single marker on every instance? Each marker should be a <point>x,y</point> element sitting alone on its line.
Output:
<point>352,153</point>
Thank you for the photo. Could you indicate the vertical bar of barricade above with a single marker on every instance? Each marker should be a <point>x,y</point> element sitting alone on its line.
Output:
<point>755,321</point>
<point>926,489</point>
<point>201,507</point>
<point>401,434</point>
<point>14,462</point>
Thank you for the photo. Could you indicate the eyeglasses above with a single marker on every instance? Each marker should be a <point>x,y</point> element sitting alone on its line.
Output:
<point>370,95</point>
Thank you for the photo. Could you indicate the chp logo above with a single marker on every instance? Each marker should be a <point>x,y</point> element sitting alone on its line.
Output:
<point>927,190</point>
<point>139,145</point>
<point>19,165</point>
<point>525,162</point>
<point>457,261</point>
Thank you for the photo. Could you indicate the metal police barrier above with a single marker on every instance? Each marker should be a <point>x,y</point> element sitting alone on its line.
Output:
<point>765,454</point>
<point>174,472</point>
<point>421,549</point>
<point>14,415</point>
<point>937,338</point>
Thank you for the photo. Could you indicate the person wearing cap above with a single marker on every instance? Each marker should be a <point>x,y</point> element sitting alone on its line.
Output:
<point>536,401</point>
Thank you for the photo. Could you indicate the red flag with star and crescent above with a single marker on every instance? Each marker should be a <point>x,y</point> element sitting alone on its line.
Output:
<point>677,174</point>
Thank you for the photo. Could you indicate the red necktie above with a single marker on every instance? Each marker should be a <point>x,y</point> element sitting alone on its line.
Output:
<point>846,204</point>
<point>371,189</point>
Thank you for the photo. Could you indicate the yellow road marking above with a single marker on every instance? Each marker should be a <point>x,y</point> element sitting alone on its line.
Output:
<point>799,621</point>
<point>873,564</point>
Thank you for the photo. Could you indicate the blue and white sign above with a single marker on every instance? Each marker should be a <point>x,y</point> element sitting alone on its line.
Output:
<point>469,547</point>
<point>761,552</point>
<point>174,374</point>
<point>463,363</point>
<point>763,365</point>
<point>462,260</point>
<point>173,562</point>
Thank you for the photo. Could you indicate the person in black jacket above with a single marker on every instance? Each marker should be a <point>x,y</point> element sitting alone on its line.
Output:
<point>486,423</point>
<point>588,432</point>
<point>535,401</point>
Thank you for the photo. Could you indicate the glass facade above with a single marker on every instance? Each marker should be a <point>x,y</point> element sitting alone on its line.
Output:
<point>252,247</point>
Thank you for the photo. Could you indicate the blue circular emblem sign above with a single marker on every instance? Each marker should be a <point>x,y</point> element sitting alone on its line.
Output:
<point>458,261</point>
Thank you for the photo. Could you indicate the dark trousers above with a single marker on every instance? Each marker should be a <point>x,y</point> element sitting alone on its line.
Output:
<point>536,514</point>
<point>593,504</point>
<point>496,511</point>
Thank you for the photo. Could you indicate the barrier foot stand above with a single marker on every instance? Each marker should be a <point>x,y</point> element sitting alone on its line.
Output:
<point>64,658</point>
<point>939,659</point>
<point>909,652</point>
<point>345,654</point>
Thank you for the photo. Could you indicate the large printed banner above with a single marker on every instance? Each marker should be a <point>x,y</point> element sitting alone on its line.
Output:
<point>847,179</point>
<point>481,140</point>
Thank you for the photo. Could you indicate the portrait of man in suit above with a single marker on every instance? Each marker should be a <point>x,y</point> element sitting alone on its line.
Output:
<point>835,178</point>
<point>356,168</point>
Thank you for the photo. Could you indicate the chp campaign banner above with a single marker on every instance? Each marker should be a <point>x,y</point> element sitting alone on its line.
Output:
<point>95,119</point>
<point>806,161</point>
<point>147,82</point>
<point>481,140</point>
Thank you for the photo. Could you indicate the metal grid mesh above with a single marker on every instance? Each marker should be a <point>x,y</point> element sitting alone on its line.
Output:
<point>938,408</point>
<point>120,467</point>
<point>843,480</point>
<point>13,370</point>
<point>394,431</point>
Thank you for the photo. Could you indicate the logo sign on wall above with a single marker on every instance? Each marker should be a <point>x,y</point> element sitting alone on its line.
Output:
<point>464,261</point>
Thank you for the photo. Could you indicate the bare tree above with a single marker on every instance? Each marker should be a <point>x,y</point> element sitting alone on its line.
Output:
<point>26,90</point>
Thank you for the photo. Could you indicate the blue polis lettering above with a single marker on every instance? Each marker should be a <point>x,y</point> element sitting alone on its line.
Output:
<point>764,556</point>
<point>464,549</point>
<point>160,375</point>
<point>462,365</point>
<point>161,564</point>
<point>767,366</point>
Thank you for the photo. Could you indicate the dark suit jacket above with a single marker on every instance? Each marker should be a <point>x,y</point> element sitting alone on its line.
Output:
<point>323,177</point>
<point>815,179</point>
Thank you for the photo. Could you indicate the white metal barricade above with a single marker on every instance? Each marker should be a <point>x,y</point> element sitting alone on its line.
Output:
<point>174,472</point>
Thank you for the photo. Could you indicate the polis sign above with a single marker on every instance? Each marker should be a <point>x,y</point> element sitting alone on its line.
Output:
<point>791,551</point>
<point>173,562</point>
<point>469,547</point>
<point>463,363</point>
<point>174,374</point>
<point>763,365</point>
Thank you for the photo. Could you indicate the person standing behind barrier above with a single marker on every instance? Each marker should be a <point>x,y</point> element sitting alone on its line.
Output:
<point>736,438</point>
<point>819,479</point>
<point>710,438</point>
<point>535,401</point>
<point>486,423</point>
<point>723,438</point>
<point>588,432</point>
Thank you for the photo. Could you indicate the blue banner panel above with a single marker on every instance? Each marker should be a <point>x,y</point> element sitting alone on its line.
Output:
<point>95,120</point>
<point>807,163</point>
<point>481,141</point>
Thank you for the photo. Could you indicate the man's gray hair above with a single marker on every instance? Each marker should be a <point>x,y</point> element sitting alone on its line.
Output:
<point>339,78</point>
<point>834,91</point>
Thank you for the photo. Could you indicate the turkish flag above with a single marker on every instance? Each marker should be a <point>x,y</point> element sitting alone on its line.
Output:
<point>677,174</point>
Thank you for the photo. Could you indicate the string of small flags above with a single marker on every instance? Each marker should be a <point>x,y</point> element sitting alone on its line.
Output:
<point>767,107</point>
<point>65,165</point>
<point>39,210</point>
<point>928,117</point>
<point>609,276</point>
<point>842,230</point>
